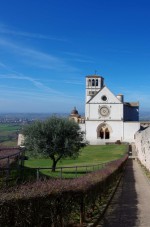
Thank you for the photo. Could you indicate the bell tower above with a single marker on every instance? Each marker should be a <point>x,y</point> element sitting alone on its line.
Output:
<point>93,84</point>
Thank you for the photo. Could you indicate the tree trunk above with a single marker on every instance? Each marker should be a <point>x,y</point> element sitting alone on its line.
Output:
<point>54,165</point>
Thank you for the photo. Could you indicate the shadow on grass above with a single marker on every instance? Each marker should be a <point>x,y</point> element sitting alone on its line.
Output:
<point>20,175</point>
<point>30,174</point>
<point>26,174</point>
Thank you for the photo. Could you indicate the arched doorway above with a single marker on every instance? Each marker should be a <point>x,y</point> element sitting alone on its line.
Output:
<point>104,131</point>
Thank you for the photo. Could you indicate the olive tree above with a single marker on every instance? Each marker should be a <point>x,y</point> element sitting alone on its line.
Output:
<point>55,137</point>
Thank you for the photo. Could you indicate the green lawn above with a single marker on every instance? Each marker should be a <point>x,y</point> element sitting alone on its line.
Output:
<point>90,155</point>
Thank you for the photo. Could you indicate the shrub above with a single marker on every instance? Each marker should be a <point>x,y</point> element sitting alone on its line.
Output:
<point>56,202</point>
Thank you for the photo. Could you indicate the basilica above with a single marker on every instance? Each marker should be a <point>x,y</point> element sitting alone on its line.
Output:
<point>108,119</point>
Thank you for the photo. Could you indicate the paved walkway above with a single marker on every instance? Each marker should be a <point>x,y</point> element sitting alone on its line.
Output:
<point>130,206</point>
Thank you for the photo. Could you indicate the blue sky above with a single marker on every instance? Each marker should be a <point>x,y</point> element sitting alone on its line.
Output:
<point>47,47</point>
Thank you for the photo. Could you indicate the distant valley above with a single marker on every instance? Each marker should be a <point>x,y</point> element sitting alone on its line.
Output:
<point>144,116</point>
<point>28,117</point>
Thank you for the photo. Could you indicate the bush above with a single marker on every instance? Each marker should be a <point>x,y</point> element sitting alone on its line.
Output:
<point>56,202</point>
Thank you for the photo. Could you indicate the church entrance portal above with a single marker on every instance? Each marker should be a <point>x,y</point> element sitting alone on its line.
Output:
<point>103,132</point>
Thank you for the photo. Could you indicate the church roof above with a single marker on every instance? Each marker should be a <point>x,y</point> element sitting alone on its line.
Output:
<point>132,104</point>
<point>94,76</point>
<point>74,111</point>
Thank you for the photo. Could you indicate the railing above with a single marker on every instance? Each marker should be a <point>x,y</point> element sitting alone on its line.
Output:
<point>7,161</point>
<point>84,168</point>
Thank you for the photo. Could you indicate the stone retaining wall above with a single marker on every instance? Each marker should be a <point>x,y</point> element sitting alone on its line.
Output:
<point>142,144</point>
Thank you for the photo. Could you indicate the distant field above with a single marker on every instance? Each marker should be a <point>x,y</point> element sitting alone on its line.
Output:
<point>90,155</point>
<point>9,134</point>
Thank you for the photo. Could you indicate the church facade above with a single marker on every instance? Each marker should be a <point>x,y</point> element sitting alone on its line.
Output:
<point>108,119</point>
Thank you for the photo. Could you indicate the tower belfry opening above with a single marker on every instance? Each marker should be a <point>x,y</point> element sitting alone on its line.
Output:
<point>93,84</point>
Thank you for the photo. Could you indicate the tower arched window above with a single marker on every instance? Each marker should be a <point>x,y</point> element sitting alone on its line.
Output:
<point>93,82</point>
<point>96,82</point>
<point>89,82</point>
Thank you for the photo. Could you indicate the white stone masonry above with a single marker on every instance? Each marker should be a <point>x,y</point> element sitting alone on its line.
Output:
<point>142,143</point>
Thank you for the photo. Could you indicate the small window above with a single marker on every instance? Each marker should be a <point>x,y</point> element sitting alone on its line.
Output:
<point>104,98</point>
<point>91,92</point>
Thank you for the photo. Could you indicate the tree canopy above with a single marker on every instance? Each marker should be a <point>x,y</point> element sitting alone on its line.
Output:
<point>55,137</point>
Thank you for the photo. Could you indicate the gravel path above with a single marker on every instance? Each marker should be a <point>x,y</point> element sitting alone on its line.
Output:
<point>130,206</point>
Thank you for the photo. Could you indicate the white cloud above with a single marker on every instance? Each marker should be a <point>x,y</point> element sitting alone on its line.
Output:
<point>42,87</point>
<point>36,58</point>
<point>73,82</point>
<point>7,31</point>
<point>79,57</point>
<point>33,81</point>
<point>2,65</point>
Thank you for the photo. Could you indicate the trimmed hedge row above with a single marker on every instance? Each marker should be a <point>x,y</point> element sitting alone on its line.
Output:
<point>11,153</point>
<point>56,202</point>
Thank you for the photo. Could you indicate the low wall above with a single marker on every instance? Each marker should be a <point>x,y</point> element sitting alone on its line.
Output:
<point>20,139</point>
<point>142,144</point>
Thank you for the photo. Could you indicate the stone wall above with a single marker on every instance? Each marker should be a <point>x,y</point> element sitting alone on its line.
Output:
<point>20,139</point>
<point>142,144</point>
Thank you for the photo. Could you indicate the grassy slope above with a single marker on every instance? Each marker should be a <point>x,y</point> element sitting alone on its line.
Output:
<point>89,155</point>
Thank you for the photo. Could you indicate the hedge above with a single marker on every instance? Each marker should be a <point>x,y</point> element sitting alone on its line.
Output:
<point>56,202</point>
